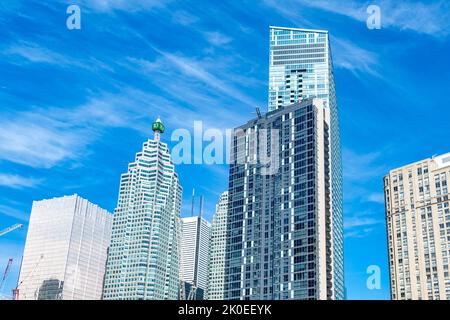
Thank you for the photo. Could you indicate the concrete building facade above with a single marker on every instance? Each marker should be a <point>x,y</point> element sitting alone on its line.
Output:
<point>418,229</point>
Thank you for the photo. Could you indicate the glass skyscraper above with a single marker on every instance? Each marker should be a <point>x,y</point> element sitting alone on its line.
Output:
<point>300,67</point>
<point>143,259</point>
<point>284,236</point>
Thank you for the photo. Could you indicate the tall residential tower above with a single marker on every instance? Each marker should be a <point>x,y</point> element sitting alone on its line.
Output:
<point>65,251</point>
<point>289,221</point>
<point>418,229</point>
<point>143,259</point>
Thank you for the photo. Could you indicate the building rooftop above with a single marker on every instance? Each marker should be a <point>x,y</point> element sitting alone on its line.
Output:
<point>299,29</point>
<point>441,161</point>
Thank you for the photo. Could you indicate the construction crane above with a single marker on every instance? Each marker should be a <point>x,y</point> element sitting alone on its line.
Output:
<point>6,273</point>
<point>16,290</point>
<point>9,229</point>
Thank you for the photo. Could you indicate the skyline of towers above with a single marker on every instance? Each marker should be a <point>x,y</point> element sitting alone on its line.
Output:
<point>143,258</point>
<point>292,227</point>
<point>285,227</point>
<point>418,229</point>
<point>65,250</point>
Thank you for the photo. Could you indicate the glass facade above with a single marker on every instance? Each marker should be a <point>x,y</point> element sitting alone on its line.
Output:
<point>65,251</point>
<point>143,259</point>
<point>280,226</point>
<point>300,67</point>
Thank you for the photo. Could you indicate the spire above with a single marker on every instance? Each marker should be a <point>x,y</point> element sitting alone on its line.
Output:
<point>158,128</point>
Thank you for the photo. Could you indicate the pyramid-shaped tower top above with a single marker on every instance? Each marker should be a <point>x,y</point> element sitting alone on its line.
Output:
<point>158,126</point>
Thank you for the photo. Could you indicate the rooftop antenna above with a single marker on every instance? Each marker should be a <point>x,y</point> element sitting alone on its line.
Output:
<point>201,207</point>
<point>193,202</point>
<point>258,112</point>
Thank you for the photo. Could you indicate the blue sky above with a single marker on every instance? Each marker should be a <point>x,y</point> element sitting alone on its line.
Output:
<point>75,106</point>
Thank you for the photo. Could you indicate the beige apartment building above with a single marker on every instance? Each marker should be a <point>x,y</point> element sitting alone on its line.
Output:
<point>418,229</point>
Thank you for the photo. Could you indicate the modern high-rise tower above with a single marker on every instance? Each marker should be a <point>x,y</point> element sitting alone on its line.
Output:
<point>194,254</point>
<point>300,67</point>
<point>284,230</point>
<point>217,249</point>
<point>418,229</point>
<point>280,230</point>
<point>65,251</point>
<point>143,259</point>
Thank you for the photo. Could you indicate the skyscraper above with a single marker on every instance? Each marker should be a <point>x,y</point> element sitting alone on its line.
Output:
<point>300,67</point>
<point>143,259</point>
<point>217,249</point>
<point>280,225</point>
<point>418,229</point>
<point>65,251</point>
<point>194,251</point>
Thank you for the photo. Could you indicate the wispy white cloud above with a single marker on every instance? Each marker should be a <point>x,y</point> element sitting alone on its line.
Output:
<point>363,197</point>
<point>361,225</point>
<point>348,55</point>
<point>25,52</point>
<point>30,52</point>
<point>13,212</point>
<point>18,182</point>
<point>46,136</point>
<point>360,221</point>
<point>184,18</point>
<point>123,5</point>
<point>361,167</point>
<point>431,18</point>
<point>358,233</point>
<point>37,139</point>
<point>217,39</point>
<point>195,70</point>
<point>291,11</point>
<point>376,197</point>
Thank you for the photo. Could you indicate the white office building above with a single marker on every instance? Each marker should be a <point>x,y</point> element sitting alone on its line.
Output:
<point>194,251</point>
<point>65,250</point>
<point>217,250</point>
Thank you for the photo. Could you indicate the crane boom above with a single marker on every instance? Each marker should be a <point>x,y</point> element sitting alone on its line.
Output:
<point>9,229</point>
<point>5,274</point>
<point>17,290</point>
